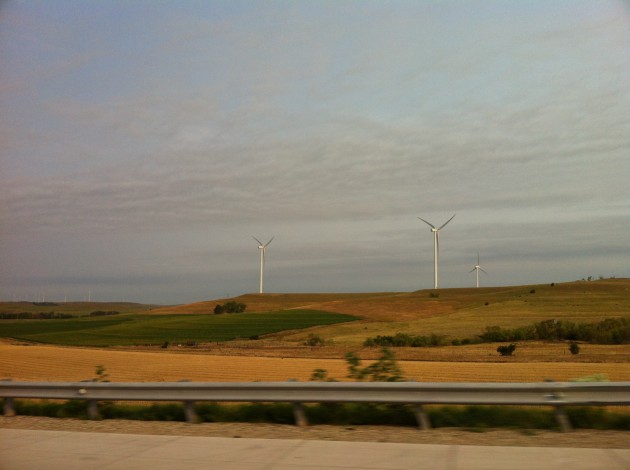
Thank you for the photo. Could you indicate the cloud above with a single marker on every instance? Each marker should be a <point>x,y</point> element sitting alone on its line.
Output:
<point>172,140</point>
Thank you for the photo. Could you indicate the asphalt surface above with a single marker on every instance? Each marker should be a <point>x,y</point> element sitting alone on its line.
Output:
<point>50,450</point>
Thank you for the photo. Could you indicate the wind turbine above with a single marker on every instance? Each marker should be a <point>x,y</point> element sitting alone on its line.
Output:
<point>477,268</point>
<point>436,247</point>
<point>262,249</point>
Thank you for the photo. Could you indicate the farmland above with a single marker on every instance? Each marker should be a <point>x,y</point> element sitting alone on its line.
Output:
<point>268,345</point>
<point>134,329</point>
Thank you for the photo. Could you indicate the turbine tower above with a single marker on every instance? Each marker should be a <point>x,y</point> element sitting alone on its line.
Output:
<point>477,268</point>
<point>436,247</point>
<point>262,249</point>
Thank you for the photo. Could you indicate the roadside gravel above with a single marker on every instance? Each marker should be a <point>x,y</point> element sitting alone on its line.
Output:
<point>446,436</point>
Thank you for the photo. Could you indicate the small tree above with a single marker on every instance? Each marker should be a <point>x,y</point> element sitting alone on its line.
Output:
<point>506,350</point>
<point>574,348</point>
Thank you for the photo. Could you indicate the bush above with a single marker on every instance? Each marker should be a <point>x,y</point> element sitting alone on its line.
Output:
<point>506,350</point>
<point>230,307</point>
<point>314,340</point>
<point>405,340</point>
<point>608,331</point>
<point>574,348</point>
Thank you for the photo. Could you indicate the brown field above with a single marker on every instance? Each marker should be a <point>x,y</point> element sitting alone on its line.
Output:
<point>456,313</point>
<point>51,363</point>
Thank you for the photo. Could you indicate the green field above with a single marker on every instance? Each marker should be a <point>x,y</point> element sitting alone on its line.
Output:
<point>133,329</point>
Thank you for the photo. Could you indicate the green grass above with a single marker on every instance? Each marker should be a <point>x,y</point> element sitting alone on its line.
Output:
<point>132,329</point>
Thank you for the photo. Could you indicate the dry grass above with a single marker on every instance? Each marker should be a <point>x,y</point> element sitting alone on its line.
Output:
<point>50,363</point>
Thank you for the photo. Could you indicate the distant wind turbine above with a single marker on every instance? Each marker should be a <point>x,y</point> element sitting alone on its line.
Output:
<point>262,249</point>
<point>436,247</point>
<point>477,268</point>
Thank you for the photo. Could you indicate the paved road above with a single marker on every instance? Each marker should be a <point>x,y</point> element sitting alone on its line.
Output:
<point>50,450</point>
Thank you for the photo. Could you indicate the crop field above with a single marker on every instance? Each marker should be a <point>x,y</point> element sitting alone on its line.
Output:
<point>156,329</point>
<point>51,363</point>
<point>269,342</point>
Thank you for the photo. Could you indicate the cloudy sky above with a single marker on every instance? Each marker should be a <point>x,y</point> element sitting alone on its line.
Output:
<point>143,144</point>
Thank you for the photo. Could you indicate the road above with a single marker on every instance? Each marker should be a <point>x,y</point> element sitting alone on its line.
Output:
<point>51,450</point>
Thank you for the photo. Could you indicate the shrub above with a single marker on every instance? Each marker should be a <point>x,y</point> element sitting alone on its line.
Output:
<point>230,307</point>
<point>405,340</point>
<point>314,340</point>
<point>608,331</point>
<point>321,375</point>
<point>574,348</point>
<point>506,350</point>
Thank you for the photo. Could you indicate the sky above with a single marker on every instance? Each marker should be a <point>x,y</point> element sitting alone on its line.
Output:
<point>143,144</point>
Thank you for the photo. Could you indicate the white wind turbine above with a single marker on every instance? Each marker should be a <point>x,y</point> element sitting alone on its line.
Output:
<point>262,249</point>
<point>477,268</point>
<point>436,247</point>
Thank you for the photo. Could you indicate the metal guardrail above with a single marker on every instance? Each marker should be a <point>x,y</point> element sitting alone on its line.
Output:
<point>417,394</point>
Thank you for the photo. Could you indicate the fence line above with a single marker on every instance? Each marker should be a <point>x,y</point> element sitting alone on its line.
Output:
<point>555,394</point>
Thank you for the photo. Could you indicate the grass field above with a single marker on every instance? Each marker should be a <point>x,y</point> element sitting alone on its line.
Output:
<point>156,329</point>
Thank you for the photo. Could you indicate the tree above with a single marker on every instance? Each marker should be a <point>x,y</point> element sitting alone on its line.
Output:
<point>230,307</point>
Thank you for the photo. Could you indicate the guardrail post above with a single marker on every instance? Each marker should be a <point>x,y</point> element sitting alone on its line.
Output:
<point>422,418</point>
<point>92,409</point>
<point>8,407</point>
<point>562,418</point>
<point>190,412</point>
<point>299,415</point>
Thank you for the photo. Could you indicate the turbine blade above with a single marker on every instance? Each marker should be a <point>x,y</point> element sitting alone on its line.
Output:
<point>428,223</point>
<point>483,270</point>
<point>257,240</point>
<point>444,224</point>
<point>472,270</point>
<point>477,258</point>
<point>269,242</point>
